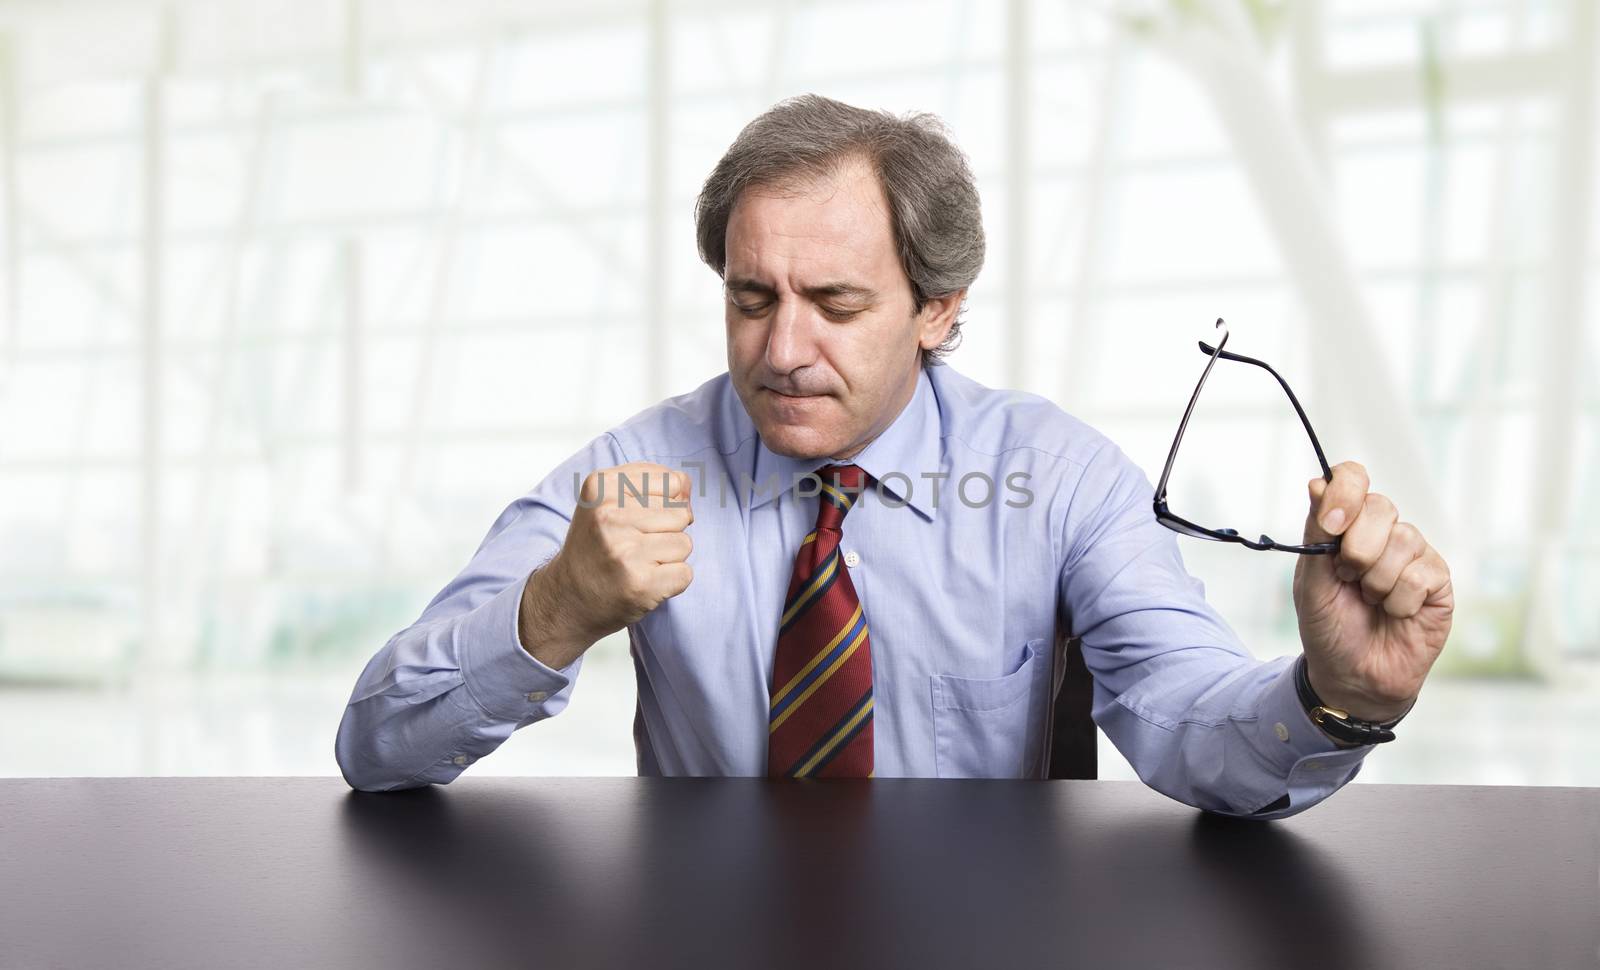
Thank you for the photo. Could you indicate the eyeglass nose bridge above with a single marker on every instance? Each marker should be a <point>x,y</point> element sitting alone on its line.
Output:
<point>1260,545</point>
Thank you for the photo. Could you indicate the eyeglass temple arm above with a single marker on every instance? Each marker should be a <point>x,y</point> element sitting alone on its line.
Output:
<point>1177,439</point>
<point>1305,422</point>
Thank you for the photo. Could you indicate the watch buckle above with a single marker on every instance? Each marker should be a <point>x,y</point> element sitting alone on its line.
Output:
<point>1318,713</point>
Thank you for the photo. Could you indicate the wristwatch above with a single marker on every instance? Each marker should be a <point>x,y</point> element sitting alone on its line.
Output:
<point>1338,724</point>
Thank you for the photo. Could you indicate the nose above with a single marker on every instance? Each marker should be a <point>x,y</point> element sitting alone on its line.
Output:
<point>791,344</point>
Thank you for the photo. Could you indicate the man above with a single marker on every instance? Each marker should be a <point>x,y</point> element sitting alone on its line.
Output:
<point>843,559</point>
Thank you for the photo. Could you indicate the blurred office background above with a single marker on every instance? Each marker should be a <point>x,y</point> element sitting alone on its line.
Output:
<point>297,296</point>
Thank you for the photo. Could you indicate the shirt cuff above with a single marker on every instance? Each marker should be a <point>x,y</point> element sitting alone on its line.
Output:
<point>1308,762</point>
<point>507,681</point>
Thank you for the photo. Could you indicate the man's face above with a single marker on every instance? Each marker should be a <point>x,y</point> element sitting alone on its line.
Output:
<point>823,345</point>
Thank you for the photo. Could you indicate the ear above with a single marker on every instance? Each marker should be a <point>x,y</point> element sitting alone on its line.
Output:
<point>938,313</point>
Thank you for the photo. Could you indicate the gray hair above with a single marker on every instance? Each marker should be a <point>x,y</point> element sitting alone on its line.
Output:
<point>933,201</point>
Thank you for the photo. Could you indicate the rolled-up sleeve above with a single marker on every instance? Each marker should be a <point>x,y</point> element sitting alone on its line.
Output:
<point>1198,717</point>
<point>454,685</point>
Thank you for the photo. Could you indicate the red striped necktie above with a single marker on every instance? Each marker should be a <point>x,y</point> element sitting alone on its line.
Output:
<point>820,723</point>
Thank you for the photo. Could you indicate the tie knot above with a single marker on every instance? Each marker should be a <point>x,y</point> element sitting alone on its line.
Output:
<point>841,487</point>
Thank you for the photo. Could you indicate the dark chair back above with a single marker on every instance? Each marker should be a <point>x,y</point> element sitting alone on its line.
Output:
<point>1072,740</point>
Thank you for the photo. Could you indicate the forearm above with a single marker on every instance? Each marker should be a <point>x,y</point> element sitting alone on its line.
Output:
<point>1228,736</point>
<point>1199,718</point>
<point>444,693</point>
<point>455,684</point>
<point>549,626</point>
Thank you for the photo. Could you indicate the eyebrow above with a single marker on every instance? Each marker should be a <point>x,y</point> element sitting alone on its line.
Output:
<point>837,288</point>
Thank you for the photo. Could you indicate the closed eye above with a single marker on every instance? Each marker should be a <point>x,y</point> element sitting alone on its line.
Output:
<point>837,314</point>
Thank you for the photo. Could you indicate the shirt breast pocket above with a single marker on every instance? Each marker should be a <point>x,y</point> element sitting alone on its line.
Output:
<point>994,728</point>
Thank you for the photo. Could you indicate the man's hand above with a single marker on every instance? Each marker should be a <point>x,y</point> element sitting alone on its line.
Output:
<point>1374,617</point>
<point>625,553</point>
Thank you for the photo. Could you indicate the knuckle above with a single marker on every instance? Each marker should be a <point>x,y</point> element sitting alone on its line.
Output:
<point>1358,554</point>
<point>1412,582</point>
<point>1379,505</point>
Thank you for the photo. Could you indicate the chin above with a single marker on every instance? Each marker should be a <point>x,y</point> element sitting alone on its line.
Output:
<point>810,433</point>
<point>796,440</point>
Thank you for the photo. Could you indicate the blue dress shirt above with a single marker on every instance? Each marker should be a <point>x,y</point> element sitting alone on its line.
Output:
<point>998,521</point>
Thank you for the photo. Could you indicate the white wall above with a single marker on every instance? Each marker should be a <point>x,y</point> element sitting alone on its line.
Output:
<point>298,296</point>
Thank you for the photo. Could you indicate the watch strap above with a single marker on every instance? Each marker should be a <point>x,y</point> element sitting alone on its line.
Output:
<point>1336,723</point>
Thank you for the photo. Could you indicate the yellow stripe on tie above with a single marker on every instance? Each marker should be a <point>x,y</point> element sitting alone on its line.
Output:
<point>800,701</point>
<point>812,537</point>
<point>833,742</point>
<point>811,589</point>
<point>843,499</point>
<point>779,696</point>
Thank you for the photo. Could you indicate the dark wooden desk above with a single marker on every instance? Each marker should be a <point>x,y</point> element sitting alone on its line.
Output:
<point>704,873</point>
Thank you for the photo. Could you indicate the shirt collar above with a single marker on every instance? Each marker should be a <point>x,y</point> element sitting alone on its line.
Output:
<point>905,450</point>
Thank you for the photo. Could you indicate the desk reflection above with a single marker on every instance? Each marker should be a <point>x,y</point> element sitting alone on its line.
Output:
<point>751,872</point>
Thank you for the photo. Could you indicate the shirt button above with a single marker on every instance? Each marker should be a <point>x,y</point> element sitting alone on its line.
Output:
<point>1281,731</point>
<point>461,760</point>
<point>852,559</point>
<point>535,696</point>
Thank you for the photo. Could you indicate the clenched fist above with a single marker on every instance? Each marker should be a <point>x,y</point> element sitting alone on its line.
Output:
<point>624,555</point>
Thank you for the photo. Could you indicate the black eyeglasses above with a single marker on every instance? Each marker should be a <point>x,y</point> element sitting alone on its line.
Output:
<point>1178,523</point>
